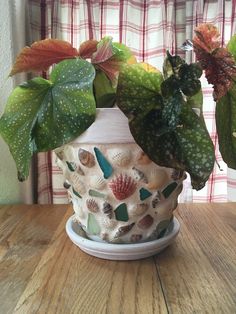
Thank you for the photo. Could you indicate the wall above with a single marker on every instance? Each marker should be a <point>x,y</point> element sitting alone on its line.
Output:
<point>11,191</point>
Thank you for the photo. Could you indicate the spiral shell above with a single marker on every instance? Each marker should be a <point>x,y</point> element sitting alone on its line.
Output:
<point>92,205</point>
<point>97,182</point>
<point>139,175</point>
<point>177,174</point>
<point>86,158</point>
<point>157,199</point>
<point>138,209</point>
<point>124,230</point>
<point>120,158</point>
<point>123,186</point>
<point>157,179</point>
<point>107,209</point>
<point>77,183</point>
<point>145,222</point>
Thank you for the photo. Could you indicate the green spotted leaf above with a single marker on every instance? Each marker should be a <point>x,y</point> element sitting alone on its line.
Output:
<point>138,91</point>
<point>226,126</point>
<point>41,115</point>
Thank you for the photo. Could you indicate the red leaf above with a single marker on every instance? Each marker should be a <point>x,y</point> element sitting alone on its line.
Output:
<point>111,68</point>
<point>87,48</point>
<point>218,63</point>
<point>42,54</point>
<point>104,51</point>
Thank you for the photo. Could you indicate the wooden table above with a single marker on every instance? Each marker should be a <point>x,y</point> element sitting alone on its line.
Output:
<point>42,271</point>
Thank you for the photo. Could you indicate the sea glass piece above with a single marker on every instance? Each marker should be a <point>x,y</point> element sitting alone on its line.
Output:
<point>169,189</point>
<point>71,165</point>
<point>103,163</point>
<point>144,193</point>
<point>121,212</point>
<point>92,225</point>
<point>76,193</point>
<point>95,193</point>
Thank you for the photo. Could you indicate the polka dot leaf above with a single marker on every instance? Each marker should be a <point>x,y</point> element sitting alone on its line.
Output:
<point>41,115</point>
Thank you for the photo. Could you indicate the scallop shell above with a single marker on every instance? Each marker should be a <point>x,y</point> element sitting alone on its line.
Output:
<point>123,186</point>
<point>107,209</point>
<point>145,222</point>
<point>138,209</point>
<point>124,230</point>
<point>92,205</point>
<point>77,183</point>
<point>139,175</point>
<point>120,158</point>
<point>143,159</point>
<point>86,158</point>
<point>157,179</point>
<point>97,182</point>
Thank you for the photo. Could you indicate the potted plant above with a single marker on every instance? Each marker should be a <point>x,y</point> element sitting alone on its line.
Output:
<point>124,186</point>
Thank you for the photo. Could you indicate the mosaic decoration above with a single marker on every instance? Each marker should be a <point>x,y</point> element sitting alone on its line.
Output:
<point>103,163</point>
<point>121,212</point>
<point>144,193</point>
<point>119,195</point>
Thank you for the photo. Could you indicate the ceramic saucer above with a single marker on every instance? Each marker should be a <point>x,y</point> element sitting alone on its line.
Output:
<point>115,251</point>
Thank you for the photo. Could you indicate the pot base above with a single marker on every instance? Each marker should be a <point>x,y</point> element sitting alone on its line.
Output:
<point>112,251</point>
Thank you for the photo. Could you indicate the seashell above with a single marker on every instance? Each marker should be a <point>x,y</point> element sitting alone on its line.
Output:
<point>123,186</point>
<point>157,179</point>
<point>143,159</point>
<point>78,185</point>
<point>97,182</point>
<point>177,174</point>
<point>136,237</point>
<point>139,175</point>
<point>121,158</point>
<point>103,163</point>
<point>86,158</point>
<point>92,205</point>
<point>80,171</point>
<point>66,184</point>
<point>138,209</point>
<point>107,209</point>
<point>145,222</point>
<point>157,199</point>
<point>104,236</point>
<point>124,230</point>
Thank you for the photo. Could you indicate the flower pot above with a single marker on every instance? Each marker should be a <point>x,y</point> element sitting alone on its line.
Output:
<point>119,195</point>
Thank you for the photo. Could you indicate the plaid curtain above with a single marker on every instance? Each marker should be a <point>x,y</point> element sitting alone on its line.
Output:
<point>149,28</point>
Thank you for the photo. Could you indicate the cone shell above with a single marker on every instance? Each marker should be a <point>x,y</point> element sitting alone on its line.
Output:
<point>92,205</point>
<point>107,209</point>
<point>77,183</point>
<point>139,175</point>
<point>157,179</point>
<point>86,158</point>
<point>143,159</point>
<point>145,222</point>
<point>158,198</point>
<point>120,158</point>
<point>136,237</point>
<point>123,186</point>
<point>124,230</point>
<point>97,182</point>
<point>138,209</point>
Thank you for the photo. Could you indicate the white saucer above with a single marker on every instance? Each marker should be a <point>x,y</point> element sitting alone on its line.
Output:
<point>120,251</point>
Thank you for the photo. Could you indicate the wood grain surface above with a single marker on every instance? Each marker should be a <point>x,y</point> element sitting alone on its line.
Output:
<point>42,271</point>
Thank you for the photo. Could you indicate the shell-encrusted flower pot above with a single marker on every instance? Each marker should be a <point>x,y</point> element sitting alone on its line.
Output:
<point>119,195</point>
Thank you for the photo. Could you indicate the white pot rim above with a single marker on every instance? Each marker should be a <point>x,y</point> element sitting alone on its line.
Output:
<point>110,126</point>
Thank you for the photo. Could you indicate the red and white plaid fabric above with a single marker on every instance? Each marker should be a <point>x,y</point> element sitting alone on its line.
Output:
<point>149,28</point>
